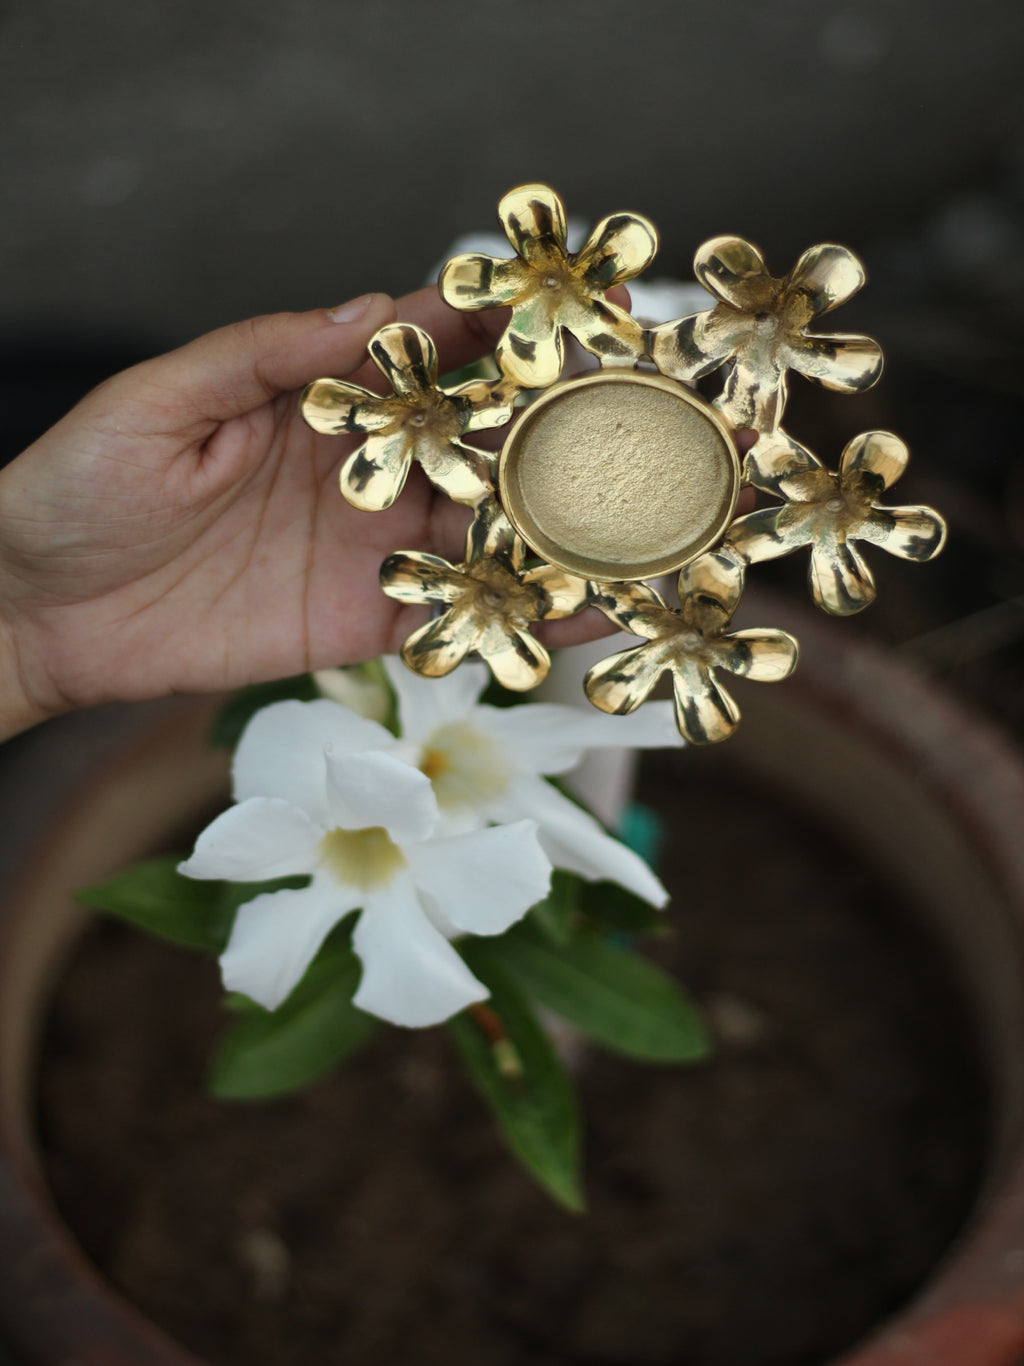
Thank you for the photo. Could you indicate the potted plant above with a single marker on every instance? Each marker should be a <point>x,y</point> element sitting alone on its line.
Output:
<point>936,797</point>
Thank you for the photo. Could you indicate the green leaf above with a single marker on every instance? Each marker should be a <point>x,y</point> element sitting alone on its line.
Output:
<point>555,915</point>
<point>613,906</point>
<point>521,1078</point>
<point>272,1052</point>
<point>609,993</point>
<point>155,896</point>
<point>194,912</point>
<point>375,672</point>
<point>239,710</point>
<point>495,694</point>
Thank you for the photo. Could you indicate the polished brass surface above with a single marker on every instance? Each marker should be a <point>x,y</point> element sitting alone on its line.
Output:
<point>489,604</point>
<point>625,473</point>
<point>619,475</point>
<point>421,421</point>
<point>828,512</point>
<point>691,643</point>
<point>550,288</point>
<point>759,327</point>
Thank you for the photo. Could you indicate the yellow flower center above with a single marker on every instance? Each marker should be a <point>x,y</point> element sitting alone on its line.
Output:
<point>466,766</point>
<point>361,858</point>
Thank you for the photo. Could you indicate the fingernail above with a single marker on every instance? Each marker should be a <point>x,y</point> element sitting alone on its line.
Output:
<point>355,308</point>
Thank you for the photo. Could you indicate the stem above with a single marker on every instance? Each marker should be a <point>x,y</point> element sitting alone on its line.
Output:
<point>506,1058</point>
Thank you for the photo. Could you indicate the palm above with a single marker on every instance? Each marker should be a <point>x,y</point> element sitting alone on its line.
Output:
<point>248,564</point>
<point>181,530</point>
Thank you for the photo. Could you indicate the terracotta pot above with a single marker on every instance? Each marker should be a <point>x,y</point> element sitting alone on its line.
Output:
<point>934,794</point>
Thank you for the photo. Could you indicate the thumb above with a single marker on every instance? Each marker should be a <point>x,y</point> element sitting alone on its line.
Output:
<point>230,372</point>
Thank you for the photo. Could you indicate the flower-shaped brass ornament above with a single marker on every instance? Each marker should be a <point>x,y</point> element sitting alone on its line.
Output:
<point>420,421</point>
<point>550,288</point>
<point>760,326</point>
<point>489,604</point>
<point>624,472</point>
<point>830,511</point>
<point>691,643</point>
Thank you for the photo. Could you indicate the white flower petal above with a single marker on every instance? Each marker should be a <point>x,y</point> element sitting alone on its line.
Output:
<point>411,974</point>
<point>374,789</point>
<point>351,688</point>
<point>574,840</point>
<point>546,737</point>
<point>426,703</point>
<point>259,839</point>
<point>281,752</point>
<point>485,881</point>
<point>276,937</point>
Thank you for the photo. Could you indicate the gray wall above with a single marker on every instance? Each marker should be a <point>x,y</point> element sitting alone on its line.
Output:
<point>168,167</point>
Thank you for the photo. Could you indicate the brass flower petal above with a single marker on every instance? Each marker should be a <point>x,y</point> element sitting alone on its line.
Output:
<point>474,281</point>
<point>620,248</point>
<point>550,288</point>
<point>635,607</point>
<point>374,475</point>
<point>759,328</point>
<point>490,604</point>
<point>844,362</point>
<point>830,511</point>
<point>437,648</point>
<point>334,408</point>
<point>877,456</point>
<point>420,421</point>
<point>407,358</point>
<point>416,577</point>
<point>691,643</point>
<point>734,271</point>
<point>533,217</point>
<point>828,276</point>
<point>709,589</point>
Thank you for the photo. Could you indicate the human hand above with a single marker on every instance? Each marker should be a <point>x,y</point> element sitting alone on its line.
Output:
<point>181,529</point>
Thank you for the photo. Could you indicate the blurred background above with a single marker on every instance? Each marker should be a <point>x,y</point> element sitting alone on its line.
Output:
<point>168,168</point>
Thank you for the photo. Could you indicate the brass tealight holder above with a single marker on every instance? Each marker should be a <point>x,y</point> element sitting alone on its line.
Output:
<point>624,473</point>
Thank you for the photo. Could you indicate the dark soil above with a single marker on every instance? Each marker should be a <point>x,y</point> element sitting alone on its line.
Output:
<point>766,1208</point>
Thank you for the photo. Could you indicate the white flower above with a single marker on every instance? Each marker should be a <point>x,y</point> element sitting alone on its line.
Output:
<point>485,764</point>
<point>353,688</point>
<point>324,792</point>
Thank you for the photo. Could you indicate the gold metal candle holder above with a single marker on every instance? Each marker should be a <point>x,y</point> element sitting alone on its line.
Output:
<point>619,474</point>
<point>625,473</point>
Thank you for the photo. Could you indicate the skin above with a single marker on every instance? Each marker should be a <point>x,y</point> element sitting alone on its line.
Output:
<point>181,529</point>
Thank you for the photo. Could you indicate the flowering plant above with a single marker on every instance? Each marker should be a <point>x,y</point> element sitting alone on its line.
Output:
<point>399,849</point>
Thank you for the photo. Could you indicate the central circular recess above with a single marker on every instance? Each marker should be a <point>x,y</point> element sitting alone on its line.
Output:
<point>619,475</point>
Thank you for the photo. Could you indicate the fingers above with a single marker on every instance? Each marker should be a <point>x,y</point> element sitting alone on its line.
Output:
<point>236,369</point>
